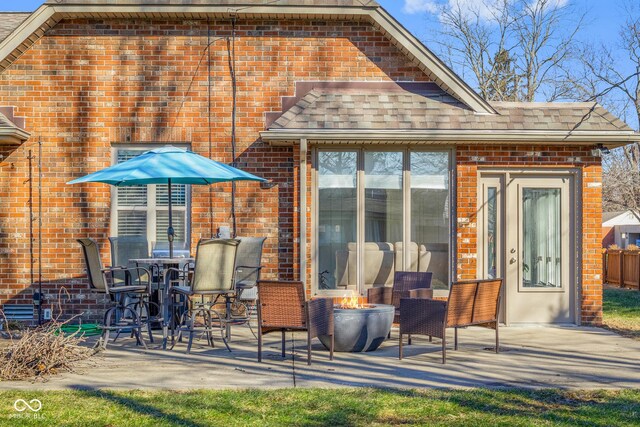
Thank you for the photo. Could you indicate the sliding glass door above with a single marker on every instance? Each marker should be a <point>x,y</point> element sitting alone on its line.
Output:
<point>377,212</point>
<point>337,203</point>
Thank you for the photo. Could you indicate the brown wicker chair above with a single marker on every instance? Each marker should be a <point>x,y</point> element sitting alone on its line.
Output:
<point>470,303</point>
<point>282,307</point>
<point>403,283</point>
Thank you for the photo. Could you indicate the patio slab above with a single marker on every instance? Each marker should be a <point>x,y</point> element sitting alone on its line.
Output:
<point>536,357</point>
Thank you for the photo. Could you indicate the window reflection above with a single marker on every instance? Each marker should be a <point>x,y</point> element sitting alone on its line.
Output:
<point>383,190</point>
<point>541,235</point>
<point>430,215</point>
<point>382,217</point>
<point>337,212</point>
<point>492,232</point>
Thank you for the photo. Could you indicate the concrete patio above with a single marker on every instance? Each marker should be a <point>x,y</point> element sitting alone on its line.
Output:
<point>539,357</point>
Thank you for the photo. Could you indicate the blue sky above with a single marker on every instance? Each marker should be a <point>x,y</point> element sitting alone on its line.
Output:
<point>604,17</point>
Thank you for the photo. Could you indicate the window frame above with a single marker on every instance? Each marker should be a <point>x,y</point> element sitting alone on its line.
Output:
<point>151,207</point>
<point>406,189</point>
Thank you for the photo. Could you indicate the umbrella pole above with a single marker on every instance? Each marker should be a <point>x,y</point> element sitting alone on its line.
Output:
<point>170,231</point>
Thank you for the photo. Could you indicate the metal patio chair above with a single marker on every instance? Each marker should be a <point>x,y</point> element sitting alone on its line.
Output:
<point>247,274</point>
<point>124,248</point>
<point>121,315</point>
<point>282,307</point>
<point>212,279</point>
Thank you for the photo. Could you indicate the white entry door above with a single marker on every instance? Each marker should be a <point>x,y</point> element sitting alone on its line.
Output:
<point>529,219</point>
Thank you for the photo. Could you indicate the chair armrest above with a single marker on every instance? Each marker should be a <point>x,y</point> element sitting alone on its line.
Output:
<point>422,316</point>
<point>381,295</point>
<point>424,293</point>
<point>256,267</point>
<point>320,316</point>
<point>127,274</point>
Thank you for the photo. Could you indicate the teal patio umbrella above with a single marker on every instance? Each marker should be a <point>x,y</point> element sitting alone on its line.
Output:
<point>168,165</point>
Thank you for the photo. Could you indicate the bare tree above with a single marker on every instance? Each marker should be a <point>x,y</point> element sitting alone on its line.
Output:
<point>611,76</point>
<point>502,42</point>
<point>621,179</point>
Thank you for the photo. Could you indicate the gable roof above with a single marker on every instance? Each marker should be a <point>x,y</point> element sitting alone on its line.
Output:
<point>395,111</point>
<point>628,217</point>
<point>608,216</point>
<point>50,13</point>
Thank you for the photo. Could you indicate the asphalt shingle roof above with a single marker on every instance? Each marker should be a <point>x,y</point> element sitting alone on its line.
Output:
<point>355,109</point>
<point>9,21</point>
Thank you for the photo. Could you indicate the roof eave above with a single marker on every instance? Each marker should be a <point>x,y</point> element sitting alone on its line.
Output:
<point>13,136</point>
<point>610,139</point>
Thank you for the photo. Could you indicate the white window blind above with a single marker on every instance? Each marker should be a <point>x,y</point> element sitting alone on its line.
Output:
<point>143,210</point>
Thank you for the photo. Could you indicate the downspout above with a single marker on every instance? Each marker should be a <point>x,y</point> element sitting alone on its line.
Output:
<point>303,211</point>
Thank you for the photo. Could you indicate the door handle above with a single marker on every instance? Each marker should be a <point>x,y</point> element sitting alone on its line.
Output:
<point>512,261</point>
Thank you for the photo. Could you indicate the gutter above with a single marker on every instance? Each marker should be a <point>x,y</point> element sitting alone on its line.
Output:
<point>610,139</point>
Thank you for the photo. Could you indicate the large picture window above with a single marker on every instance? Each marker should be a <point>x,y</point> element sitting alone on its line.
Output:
<point>379,212</point>
<point>143,210</point>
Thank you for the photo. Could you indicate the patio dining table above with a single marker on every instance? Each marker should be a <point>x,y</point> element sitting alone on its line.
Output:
<point>163,284</point>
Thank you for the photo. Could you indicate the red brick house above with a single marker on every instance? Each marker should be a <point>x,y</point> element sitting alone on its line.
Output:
<point>379,157</point>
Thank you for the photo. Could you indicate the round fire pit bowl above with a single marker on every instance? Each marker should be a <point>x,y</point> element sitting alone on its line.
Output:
<point>360,329</point>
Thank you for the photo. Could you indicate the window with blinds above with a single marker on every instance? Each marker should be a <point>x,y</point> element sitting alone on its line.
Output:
<point>143,210</point>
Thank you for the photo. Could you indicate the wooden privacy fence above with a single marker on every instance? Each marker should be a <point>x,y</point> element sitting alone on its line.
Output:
<point>622,268</point>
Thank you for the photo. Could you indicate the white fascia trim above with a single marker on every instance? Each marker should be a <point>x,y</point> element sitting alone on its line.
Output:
<point>376,14</point>
<point>480,136</point>
<point>13,136</point>
<point>28,27</point>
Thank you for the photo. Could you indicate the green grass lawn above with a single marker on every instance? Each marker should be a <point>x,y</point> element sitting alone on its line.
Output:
<point>621,311</point>
<point>326,407</point>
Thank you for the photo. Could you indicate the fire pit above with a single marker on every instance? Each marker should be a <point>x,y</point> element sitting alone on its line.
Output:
<point>360,327</point>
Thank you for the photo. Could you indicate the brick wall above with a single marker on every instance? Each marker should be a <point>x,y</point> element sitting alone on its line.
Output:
<point>91,83</point>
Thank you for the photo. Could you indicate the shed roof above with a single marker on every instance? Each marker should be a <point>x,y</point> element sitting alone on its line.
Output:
<point>435,110</point>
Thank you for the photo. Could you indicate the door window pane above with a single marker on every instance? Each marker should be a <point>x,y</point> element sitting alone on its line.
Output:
<point>337,218</point>
<point>430,215</point>
<point>492,231</point>
<point>541,238</point>
<point>382,216</point>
